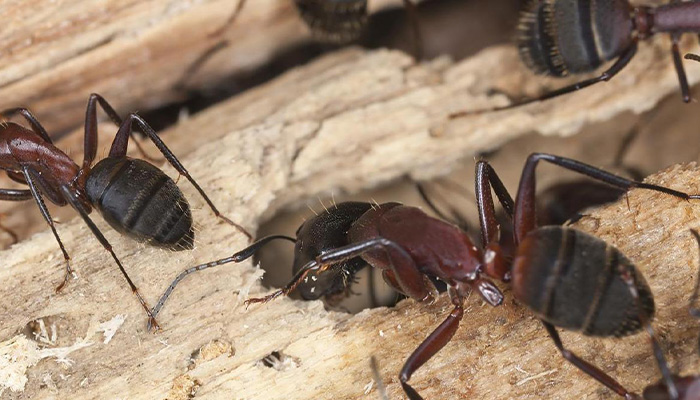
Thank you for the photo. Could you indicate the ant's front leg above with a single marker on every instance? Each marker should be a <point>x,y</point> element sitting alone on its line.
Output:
<point>34,192</point>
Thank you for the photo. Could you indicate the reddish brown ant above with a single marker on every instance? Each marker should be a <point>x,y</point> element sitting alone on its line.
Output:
<point>556,272</point>
<point>134,197</point>
<point>562,37</point>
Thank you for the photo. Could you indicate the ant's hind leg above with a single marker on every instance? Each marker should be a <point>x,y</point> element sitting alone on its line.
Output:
<point>586,367</point>
<point>430,346</point>
<point>34,192</point>
<point>118,149</point>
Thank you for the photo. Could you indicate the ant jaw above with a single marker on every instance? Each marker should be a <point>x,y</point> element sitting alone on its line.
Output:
<point>488,291</point>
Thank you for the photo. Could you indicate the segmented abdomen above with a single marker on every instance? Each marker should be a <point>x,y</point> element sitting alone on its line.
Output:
<point>139,200</point>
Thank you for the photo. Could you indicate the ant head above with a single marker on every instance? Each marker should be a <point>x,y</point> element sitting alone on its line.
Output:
<point>326,231</point>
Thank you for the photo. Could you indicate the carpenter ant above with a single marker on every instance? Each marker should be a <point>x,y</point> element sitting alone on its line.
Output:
<point>135,197</point>
<point>325,231</point>
<point>557,271</point>
<point>562,37</point>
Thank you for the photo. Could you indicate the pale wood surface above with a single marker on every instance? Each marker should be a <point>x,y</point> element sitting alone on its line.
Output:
<point>348,121</point>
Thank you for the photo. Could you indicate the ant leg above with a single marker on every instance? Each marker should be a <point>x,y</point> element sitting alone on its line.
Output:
<point>45,213</point>
<point>73,200</point>
<point>412,11</point>
<point>236,258</point>
<point>584,366</point>
<point>694,311</point>
<point>13,195</point>
<point>9,231</point>
<point>455,218</point>
<point>430,346</point>
<point>208,53</point>
<point>90,141</point>
<point>230,20</point>
<point>35,124</point>
<point>524,213</point>
<point>485,178</point>
<point>16,176</point>
<point>118,149</point>
<point>181,84</point>
<point>608,74</point>
<point>693,57</point>
<point>628,275</point>
<point>678,63</point>
<point>407,275</point>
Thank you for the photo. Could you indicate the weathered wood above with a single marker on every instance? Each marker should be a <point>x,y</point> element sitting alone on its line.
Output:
<point>351,120</point>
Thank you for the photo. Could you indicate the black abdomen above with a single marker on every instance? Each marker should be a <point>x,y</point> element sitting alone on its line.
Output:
<point>572,280</point>
<point>558,37</point>
<point>138,199</point>
<point>334,21</point>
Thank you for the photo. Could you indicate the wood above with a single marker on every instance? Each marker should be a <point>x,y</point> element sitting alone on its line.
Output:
<point>350,120</point>
<point>135,53</point>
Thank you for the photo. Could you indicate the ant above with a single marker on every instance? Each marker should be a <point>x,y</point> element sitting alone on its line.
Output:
<point>564,202</point>
<point>562,37</point>
<point>135,197</point>
<point>557,271</point>
<point>323,232</point>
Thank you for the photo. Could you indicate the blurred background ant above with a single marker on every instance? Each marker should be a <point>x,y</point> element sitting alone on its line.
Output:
<point>561,37</point>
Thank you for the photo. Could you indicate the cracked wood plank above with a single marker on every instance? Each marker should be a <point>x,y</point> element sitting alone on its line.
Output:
<point>306,133</point>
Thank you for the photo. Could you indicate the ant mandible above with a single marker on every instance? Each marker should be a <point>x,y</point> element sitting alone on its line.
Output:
<point>556,272</point>
<point>135,197</point>
<point>562,37</point>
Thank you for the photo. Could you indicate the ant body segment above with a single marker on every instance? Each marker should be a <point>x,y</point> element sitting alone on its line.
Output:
<point>557,271</point>
<point>135,197</point>
<point>563,37</point>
